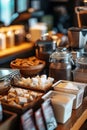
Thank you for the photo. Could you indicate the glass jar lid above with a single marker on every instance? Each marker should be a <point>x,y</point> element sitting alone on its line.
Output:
<point>62,56</point>
<point>59,55</point>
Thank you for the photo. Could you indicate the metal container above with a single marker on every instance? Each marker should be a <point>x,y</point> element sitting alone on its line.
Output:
<point>44,47</point>
<point>6,73</point>
<point>60,66</point>
<point>77,37</point>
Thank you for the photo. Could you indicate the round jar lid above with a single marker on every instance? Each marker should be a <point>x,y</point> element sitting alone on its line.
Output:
<point>60,55</point>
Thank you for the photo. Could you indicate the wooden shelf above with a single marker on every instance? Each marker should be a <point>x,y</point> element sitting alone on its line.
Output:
<point>19,51</point>
<point>16,49</point>
<point>59,0</point>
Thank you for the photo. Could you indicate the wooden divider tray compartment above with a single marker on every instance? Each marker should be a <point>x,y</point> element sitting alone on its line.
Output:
<point>9,121</point>
<point>19,100</point>
<point>40,87</point>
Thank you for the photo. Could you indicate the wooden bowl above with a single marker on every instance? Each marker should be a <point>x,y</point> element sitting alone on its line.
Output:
<point>28,70</point>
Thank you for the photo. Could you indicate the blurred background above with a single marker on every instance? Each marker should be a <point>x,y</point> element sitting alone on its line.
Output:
<point>59,15</point>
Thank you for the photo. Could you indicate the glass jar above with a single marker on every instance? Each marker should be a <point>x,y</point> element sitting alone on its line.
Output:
<point>60,66</point>
<point>2,40</point>
<point>19,37</point>
<point>80,72</point>
<point>19,33</point>
<point>9,39</point>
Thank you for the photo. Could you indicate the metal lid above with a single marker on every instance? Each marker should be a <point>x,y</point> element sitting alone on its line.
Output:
<point>76,29</point>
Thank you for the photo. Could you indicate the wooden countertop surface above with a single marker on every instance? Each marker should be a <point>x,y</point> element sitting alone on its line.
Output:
<point>16,49</point>
<point>75,116</point>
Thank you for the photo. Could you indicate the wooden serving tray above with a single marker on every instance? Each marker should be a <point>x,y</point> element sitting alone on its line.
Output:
<point>42,90</point>
<point>20,110</point>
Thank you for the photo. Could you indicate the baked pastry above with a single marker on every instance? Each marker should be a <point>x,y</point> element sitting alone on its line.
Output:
<point>26,62</point>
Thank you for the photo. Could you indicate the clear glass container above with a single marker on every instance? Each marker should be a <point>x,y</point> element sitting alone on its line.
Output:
<point>2,40</point>
<point>19,36</point>
<point>60,65</point>
<point>80,72</point>
<point>19,33</point>
<point>9,39</point>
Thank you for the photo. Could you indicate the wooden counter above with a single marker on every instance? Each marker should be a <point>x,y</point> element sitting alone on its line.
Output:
<point>23,50</point>
<point>75,115</point>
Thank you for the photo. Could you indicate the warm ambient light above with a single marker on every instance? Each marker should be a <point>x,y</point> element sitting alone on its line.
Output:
<point>84,0</point>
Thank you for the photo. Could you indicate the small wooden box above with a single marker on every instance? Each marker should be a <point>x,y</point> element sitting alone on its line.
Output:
<point>9,121</point>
